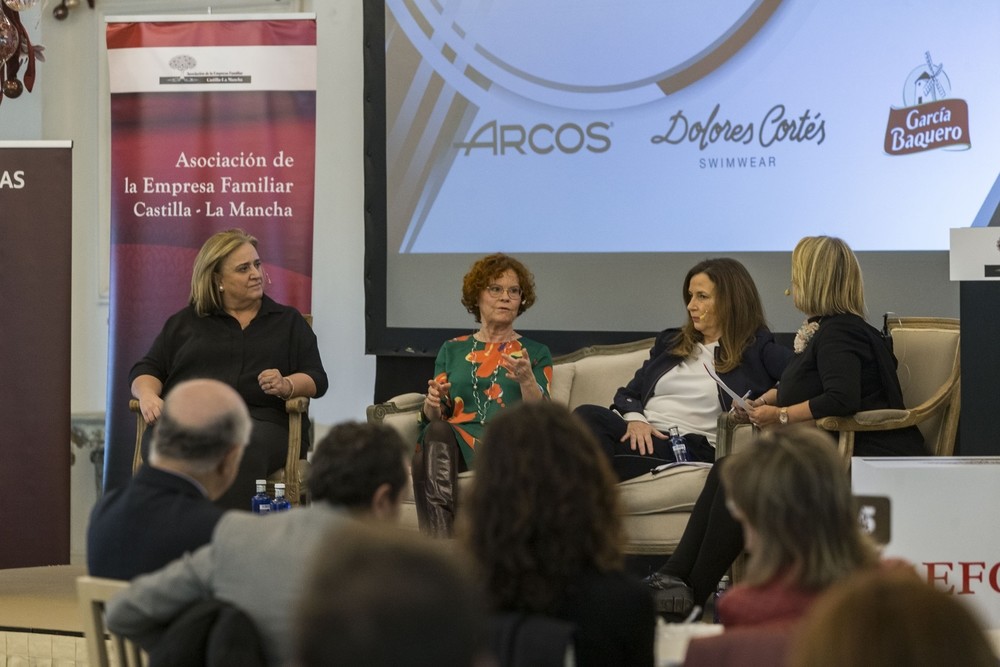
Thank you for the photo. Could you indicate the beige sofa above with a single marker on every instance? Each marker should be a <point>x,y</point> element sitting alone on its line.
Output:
<point>656,507</point>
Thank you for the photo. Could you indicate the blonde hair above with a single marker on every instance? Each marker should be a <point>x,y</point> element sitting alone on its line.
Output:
<point>205,295</point>
<point>890,618</point>
<point>791,488</point>
<point>826,276</point>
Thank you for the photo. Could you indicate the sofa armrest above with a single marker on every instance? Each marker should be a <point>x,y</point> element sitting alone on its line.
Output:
<point>401,413</point>
<point>732,436</point>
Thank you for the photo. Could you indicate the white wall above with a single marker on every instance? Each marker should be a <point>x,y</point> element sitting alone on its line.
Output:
<point>69,103</point>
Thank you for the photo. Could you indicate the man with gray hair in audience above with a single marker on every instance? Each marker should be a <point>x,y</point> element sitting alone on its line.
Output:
<point>258,564</point>
<point>166,510</point>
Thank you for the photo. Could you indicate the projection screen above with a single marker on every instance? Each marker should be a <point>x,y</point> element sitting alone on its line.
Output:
<point>610,145</point>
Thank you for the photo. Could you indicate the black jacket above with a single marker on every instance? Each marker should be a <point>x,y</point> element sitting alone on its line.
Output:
<point>141,527</point>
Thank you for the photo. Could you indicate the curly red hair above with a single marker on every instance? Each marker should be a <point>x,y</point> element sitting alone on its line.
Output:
<point>489,268</point>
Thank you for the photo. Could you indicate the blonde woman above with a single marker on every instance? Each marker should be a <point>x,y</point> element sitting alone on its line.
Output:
<point>842,364</point>
<point>792,498</point>
<point>232,332</point>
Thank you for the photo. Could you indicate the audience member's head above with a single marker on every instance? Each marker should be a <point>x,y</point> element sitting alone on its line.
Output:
<point>890,618</point>
<point>544,507</point>
<point>791,495</point>
<point>202,432</point>
<point>382,597</point>
<point>360,467</point>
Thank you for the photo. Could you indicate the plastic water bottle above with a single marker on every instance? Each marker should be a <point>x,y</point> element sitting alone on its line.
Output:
<point>280,502</point>
<point>261,502</point>
<point>720,590</point>
<point>680,447</point>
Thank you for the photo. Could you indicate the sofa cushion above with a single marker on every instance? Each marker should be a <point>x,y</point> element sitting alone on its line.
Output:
<point>598,377</point>
<point>563,376</point>
<point>653,534</point>
<point>673,490</point>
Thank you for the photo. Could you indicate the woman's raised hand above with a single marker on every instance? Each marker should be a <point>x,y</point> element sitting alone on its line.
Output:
<point>639,435</point>
<point>437,392</point>
<point>518,366</point>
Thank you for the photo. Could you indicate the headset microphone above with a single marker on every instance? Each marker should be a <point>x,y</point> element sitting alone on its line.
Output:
<point>788,292</point>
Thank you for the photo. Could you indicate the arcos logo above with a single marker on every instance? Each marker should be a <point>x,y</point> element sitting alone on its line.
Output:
<point>540,139</point>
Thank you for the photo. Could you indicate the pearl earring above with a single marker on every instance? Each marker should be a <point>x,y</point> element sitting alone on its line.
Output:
<point>221,288</point>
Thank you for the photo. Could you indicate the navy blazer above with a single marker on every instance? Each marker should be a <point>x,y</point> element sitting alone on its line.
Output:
<point>144,525</point>
<point>762,364</point>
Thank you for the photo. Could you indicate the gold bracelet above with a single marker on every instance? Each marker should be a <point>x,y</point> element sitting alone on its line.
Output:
<point>291,389</point>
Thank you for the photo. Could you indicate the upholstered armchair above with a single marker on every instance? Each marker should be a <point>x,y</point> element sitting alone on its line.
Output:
<point>927,349</point>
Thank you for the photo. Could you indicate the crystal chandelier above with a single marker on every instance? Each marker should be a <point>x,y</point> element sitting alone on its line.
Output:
<point>16,49</point>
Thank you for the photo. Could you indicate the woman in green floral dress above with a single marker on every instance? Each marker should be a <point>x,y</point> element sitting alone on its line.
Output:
<point>475,376</point>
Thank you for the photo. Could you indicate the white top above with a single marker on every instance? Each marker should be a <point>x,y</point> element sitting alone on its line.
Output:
<point>686,397</point>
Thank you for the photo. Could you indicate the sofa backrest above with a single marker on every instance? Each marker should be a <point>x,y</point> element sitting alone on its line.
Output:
<point>593,374</point>
<point>588,375</point>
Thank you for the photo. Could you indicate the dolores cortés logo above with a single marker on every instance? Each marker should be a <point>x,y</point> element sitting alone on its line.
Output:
<point>929,118</point>
<point>184,64</point>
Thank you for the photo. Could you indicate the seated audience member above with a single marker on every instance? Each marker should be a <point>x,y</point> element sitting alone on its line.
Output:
<point>890,619</point>
<point>725,330</point>
<point>841,365</point>
<point>258,563</point>
<point>544,527</point>
<point>166,510</point>
<point>382,597</point>
<point>790,494</point>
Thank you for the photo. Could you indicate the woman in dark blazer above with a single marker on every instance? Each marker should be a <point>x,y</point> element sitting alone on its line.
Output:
<point>726,331</point>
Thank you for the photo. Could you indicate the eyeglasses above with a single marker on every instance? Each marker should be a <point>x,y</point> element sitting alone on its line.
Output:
<point>497,291</point>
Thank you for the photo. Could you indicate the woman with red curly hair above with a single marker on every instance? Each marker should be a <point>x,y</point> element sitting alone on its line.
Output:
<point>543,525</point>
<point>476,376</point>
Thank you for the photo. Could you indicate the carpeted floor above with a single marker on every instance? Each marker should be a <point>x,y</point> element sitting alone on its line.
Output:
<point>37,599</point>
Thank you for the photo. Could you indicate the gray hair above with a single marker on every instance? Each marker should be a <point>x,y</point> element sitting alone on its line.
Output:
<point>201,442</point>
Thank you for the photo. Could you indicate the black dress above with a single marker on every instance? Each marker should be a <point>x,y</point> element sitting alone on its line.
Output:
<point>845,368</point>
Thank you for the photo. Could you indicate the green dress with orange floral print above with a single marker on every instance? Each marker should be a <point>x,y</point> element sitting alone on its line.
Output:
<point>480,386</point>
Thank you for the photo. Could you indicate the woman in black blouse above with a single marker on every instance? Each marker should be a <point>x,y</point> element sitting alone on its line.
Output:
<point>232,332</point>
<point>841,365</point>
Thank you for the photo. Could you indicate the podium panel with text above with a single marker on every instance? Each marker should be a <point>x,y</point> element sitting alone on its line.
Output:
<point>942,520</point>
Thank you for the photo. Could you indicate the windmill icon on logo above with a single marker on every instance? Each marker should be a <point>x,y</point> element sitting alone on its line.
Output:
<point>933,90</point>
<point>927,83</point>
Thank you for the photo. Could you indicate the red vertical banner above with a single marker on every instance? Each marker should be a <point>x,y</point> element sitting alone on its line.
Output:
<point>213,126</point>
<point>36,226</point>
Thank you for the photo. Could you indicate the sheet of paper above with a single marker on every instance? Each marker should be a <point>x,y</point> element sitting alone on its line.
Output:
<point>737,399</point>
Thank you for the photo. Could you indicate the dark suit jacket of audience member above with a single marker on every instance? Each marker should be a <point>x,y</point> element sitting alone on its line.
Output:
<point>146,524</point>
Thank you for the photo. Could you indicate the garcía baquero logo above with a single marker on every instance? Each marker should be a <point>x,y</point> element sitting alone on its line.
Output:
<point>929,118</point>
